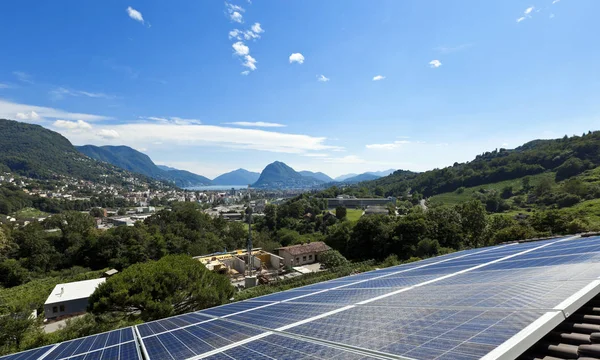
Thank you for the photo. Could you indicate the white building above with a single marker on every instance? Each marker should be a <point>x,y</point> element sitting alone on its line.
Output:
<point>70,299</point>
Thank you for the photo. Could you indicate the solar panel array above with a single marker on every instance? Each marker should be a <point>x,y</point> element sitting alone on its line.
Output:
<point>465,305</point>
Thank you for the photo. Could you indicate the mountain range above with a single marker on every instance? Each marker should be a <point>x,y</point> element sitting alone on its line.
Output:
<point>237,177</point>
<point>34,151</point>
<point>135,161</point>
<point>317,175</point>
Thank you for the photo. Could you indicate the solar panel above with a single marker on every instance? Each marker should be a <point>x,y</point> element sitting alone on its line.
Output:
<point>196,339</point>
<point>118,344</point>
<point>491,303</point>
<point>29,354</point>
<point>281,347</point>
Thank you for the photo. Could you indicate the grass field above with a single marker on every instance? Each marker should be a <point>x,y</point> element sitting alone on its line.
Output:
<point>353,214</point>
<point>28,213</point>
<point>453,198</point>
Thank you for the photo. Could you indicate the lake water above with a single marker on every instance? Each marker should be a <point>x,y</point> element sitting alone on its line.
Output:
<point>217,187</point>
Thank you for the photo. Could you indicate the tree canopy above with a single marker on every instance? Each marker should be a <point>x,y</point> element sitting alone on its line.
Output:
<point>175,284</point>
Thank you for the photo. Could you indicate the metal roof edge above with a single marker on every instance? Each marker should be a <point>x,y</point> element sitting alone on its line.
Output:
<point>524,339</point>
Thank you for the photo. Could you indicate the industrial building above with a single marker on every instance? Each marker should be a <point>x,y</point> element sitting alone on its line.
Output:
<point>358,203</point>
<point>70,299</point>
<point>233,263</point>
<point>297,255</point>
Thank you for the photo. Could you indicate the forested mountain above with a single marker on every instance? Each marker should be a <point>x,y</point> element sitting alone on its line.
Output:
<point>317,175</point>
<point>566,157</point>
<point>344,177</point>
<point>135,161</point>
<point>237,177</point>
<point>361,177</point>
<point>33,151</point>
<point>279,175</point>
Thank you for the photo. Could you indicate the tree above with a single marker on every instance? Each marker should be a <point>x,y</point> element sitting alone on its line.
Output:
<point>507,192</point>
<point>97,212</point>
<point>332,258</point>
<point>12,273</point>
<point>473,221</point>
<point>569,168</point>
<point>175,284</point>
<point>526,184</point>
<point>14,328</point>
<point>340,212</point>
<point>338,236</point>
<point>271,217</point>
<point>544,186</point>
<point>121,212</point>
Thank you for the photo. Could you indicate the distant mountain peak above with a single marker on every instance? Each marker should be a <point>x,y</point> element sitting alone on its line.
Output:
<point>237,177</point>
<point>279,175</point>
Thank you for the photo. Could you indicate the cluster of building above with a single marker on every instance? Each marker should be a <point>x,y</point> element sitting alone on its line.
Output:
<point>71,299</point>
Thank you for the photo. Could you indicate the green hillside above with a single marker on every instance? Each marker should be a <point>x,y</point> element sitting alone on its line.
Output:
<point>565,157</point>
<point>33,151</point>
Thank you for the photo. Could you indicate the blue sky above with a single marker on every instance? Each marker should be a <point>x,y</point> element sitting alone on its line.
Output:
<point>333,86</point>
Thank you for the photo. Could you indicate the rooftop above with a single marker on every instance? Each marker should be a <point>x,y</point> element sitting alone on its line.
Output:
<point>73,290</point>
<point>317,246</point>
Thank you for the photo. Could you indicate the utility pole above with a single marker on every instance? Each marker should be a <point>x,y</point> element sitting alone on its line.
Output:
<point>249,241</point>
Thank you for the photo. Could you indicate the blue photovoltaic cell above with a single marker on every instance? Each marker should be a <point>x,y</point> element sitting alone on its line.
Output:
<point>284,295</point>
<point>197,339</point>
<point>28,355</point>
<point>174,322</point>
<point>232,308</point>
<point>282,314</point>
<point>285,348</point>
<point>419,333</point>
<point>96,345</point>
<point>342,296</point>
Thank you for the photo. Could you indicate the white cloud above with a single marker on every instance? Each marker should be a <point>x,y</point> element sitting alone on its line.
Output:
<point>322,78</point>
<point>240,49</point>
<point>143,134</point>
<point>237,17</point>
<point>257,29</point>
<point>245,72</point>
<point>10,110</point>
<point>250,62</point>
<point>72,125</point>
<point>32,115</point>
<point>555,1</point>
<point>4,86</point>
<point>235,34</point>
<point>232,8</point>
<point>60,93</point>
<point>435,64</point>
<point>378,77</point>
<point>349,159</point>
<point>180,121</point>
<point>23,77</point>
<point>172,120</point>
<point>551,16</point>
<point>108,134</point>
<point>389,146</point>
<point>255,124</point>
<point>527,14</point>
<point>134,14</point>
<point>297,57</point>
